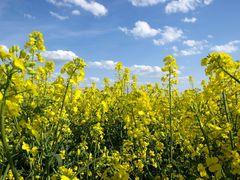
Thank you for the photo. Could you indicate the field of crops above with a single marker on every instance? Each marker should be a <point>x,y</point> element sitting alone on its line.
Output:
<point>51,129</point>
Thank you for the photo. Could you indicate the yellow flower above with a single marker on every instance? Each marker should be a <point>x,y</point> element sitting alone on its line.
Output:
<point>18,63</point>
<point>13,107</point>
<point>1,96</point>
<point>201,170</point>
<point>34,151</point>
<point>67,173</point>
<point>214,166</point>
<point>26,147</point>
<point>139,164</point>
<point>38,177</point>
<point>63,177</point>
<point>62,154</point>
<point>141,113</point>
<point>118,66</point>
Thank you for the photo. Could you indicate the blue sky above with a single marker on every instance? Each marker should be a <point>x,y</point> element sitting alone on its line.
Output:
<point>139,33</point>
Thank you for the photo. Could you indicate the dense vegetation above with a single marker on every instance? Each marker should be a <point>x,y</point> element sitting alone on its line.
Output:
<point>51,129</point>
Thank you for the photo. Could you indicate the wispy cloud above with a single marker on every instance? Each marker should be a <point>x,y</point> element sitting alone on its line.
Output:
<point>185,6</point>
<point>194,43</point>
<point>28,16</point>
<point>168,34</point>
<point>183,79</point>
<point>108,64</point>
<point>210,36</point>
<point>146,2</point>
<point>207,2</point>
<point>189,20</point>
<point>228,47</point>
<point>193,47</point>
<point>93,7</point>
<point>60,17</point>
<point>94,79</point>
<point>59,55</point>
<point>76,12</point>
<point>60,3</point>
<point>141,30</point>
<point>141,70</point>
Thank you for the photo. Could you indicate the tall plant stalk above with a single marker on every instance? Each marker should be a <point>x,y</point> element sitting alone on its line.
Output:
<point>2,128</point>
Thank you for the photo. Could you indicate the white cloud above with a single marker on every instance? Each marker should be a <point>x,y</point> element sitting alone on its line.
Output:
<point>183,79</point>
<point>59,55</point>
<point>124,29</point>
<point>146,2</point>
<point>146,70</point>
<point>181,6</point>
<point>59,3</point>
<point>210,36</point>
<point>93,7</point>
<point>194,47</point>
<point>5,48</point>
<point>140,70</point>
<point>76,12</point>
<point>141,30</point>
<point>169,34</point>
<point>185,6</point>
<point>56,15</point>
<point>228,48</point>
<point>175,48</point>
<point>188,52</point>
<point>194,43</point>
<point>94,79</point>
<point>29,16</point>
<point>109,64</point>
<point>189,20</point>
<point>207,2</point>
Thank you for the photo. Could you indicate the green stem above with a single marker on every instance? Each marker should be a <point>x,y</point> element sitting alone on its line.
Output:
<point>224,70</point>
<point>60,114</point>
<point>235,129</point>
<point>2,129</point>
<point>63,101</point>
<point>5,172</point>
<point>228,118</point>
<point>170,118</point>
<point>204,134</point>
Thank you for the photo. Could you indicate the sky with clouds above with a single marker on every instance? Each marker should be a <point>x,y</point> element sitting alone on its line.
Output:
<point>139,33</point>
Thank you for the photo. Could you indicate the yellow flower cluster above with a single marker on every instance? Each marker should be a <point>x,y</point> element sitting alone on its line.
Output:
<point>52,129</point>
